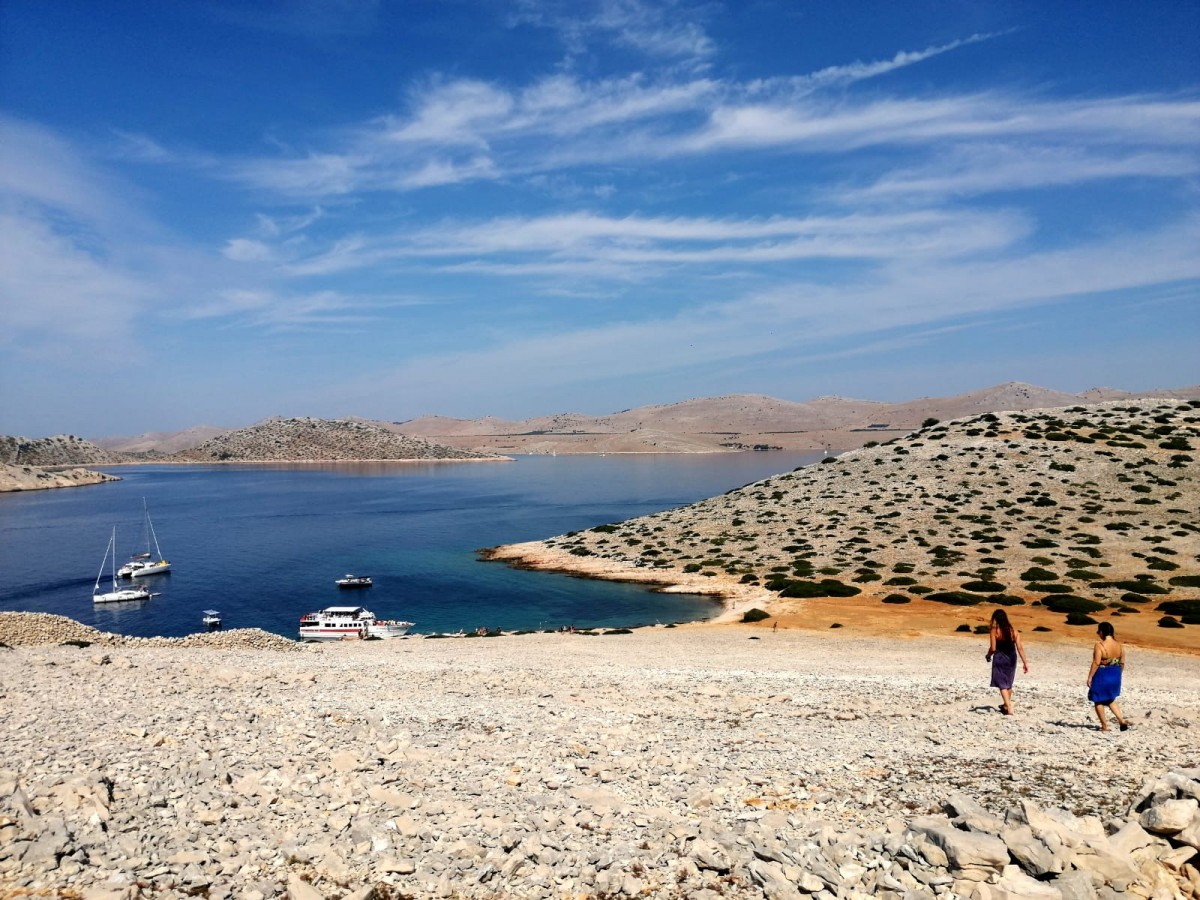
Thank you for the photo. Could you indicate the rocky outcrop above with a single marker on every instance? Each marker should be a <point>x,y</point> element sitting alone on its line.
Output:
<point>22,629</point>
<point>60,450</point>
<point>325,440</point>
<point>33,478</point>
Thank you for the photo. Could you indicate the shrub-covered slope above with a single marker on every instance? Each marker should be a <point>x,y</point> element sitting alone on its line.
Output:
<point>1069,507</point>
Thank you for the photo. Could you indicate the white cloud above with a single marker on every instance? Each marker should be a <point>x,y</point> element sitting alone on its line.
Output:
<point>802,317</point>
<point>1004,167</point>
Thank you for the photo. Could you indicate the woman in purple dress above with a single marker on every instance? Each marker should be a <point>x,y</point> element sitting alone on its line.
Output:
<point>1003,649</point>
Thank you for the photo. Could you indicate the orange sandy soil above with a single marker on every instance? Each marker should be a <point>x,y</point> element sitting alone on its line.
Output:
<point>870,616</point>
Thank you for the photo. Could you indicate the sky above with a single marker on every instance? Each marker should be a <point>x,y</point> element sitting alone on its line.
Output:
<point>215,211</point>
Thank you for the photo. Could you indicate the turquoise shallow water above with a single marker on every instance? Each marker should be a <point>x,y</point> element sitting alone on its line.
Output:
<point>263,544</point>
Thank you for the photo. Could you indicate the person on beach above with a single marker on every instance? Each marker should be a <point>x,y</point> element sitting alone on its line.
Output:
<point>1104,677</point>
<point>1003,649</point>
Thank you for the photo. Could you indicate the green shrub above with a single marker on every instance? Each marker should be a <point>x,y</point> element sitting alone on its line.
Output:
<point>1134,598</point>
<point>982,629</point>
<point>1180,607</point>
<point>897,598</point>
<point>955,598</point>
<point>963,627</point>
<point>983,587</point>
<point>604,529</point>
<point>1037,573</point>
<point>901,580</point>
<point>1138,587</point>
<point>1069,603</point>
<point>1005,600</point>
<point>1185,581</point>
<point>1080,618</point>
<point>1041,588</point>
<point>1168,622</point>
<point>755,615</point>
<point>618,631</point>
<point>826,588</point>
<point>1041,628</point>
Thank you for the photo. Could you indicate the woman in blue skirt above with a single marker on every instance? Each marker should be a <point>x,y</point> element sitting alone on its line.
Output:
<point>1104,678</point>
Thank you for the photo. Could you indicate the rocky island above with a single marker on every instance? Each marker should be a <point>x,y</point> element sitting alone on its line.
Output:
<point>25,460</point>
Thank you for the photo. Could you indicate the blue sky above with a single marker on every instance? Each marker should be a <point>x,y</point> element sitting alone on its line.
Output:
<point>213,212</point>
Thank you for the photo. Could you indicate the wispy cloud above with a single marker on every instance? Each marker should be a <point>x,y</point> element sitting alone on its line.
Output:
<point>990,168</point>
<point>803,317</point>
<point>666,29</point>
<point>633,247</point>
<point>467,130</point>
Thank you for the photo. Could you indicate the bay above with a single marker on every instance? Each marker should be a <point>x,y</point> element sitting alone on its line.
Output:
<point>263,544</point>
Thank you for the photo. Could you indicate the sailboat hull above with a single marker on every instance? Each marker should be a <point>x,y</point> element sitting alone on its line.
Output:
<point>123,596</point>
<point>161,567</point>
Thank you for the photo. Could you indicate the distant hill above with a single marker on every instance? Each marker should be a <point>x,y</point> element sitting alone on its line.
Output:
<point>59,450</point>
<point>743,421</point>
<point>699,425</point>
<point>1089,507</point>
<point>306,439</point>
<point>163,442</point>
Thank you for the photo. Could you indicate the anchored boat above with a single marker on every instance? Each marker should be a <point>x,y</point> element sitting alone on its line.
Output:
<point>335,623</point>
<point>141,592</point>
<point>143,564</point>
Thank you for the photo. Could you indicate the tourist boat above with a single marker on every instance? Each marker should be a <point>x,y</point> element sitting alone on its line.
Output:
<point>141,592</point>
<point>354,581</point>
<point>143,564</point>
<point>212,618</point>
<point>335,623</point>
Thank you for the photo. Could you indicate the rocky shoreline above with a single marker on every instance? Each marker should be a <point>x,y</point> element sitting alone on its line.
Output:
<point>36,478</point>
<point>697,762</point>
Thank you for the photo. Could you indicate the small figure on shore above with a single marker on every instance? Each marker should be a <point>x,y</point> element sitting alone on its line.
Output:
<point>1104,677</point>
<point>1003,649</point>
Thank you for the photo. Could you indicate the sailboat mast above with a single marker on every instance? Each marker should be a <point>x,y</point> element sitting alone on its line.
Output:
<point>152,534</point>
<point>111,539</point>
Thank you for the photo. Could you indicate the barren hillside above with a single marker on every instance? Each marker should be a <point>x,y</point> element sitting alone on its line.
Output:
<point>60,450</point>
<point>740,422</point>
<point>308,439</point>
<point>1075,509</point>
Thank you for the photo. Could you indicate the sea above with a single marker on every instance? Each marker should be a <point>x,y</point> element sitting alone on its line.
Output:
<point>264,544</point>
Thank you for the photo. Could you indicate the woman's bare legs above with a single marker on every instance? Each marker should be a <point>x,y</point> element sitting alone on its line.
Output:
<point>1116,711</point>
<point>1006,698</point>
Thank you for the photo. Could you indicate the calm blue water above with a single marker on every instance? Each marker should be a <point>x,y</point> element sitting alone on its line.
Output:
<point>264,544</point>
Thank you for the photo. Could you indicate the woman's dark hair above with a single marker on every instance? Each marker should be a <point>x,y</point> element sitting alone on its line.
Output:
<point>1106,630</point>
<point>1000,620</point>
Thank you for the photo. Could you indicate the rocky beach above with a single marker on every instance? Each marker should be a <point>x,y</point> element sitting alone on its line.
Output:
<point>704,761</point>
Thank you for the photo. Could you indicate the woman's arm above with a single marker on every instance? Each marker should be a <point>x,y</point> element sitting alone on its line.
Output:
<point>991,644</point>
<point>1021,651</point>
<point>1097,655</point>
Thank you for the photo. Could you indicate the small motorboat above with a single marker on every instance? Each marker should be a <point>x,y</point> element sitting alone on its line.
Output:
<point>212,618</point>
<point>354,581</point>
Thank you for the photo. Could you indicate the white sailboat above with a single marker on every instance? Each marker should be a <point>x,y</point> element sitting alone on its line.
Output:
<point>141,592</point>
<point>143,564</point>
